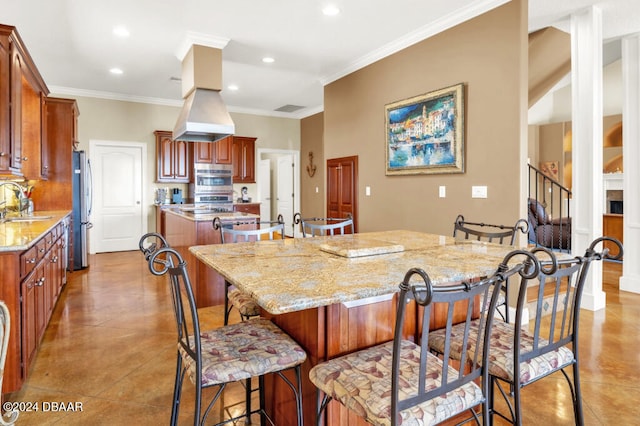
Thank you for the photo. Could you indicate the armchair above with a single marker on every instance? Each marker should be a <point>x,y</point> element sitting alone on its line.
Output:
<point>547,232</point>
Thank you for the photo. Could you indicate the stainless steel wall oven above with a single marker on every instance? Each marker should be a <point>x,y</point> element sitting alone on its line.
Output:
<point>213,186</point>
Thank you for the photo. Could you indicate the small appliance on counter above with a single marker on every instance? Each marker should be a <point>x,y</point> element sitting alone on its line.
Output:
<point>245,195</point>
<point>176,196</point>
<point>161,196</point>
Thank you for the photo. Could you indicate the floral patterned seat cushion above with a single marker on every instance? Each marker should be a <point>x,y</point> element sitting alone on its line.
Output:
<point>243,350</point>
<point>501,352</point>
<point>243,303</point>
<point>361,381</point>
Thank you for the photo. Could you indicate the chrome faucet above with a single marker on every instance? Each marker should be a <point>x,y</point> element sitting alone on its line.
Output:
<point>22,197</point>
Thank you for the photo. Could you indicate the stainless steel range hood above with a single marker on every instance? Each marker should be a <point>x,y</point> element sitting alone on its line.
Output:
<point>204,116</point>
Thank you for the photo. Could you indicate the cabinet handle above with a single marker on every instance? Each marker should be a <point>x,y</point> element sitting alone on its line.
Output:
<point>54,259</point>
<point>41,250</point>
<point>41,282</point>
<point>32,260</point>
<point>2,153</point>
<point>25,158</point>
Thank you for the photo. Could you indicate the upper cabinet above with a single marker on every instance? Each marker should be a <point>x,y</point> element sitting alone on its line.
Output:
<point>213,152</point>
<point>244,159</point>
<point>59,137</point>
<point>21,93</point>
<point>174,158</point>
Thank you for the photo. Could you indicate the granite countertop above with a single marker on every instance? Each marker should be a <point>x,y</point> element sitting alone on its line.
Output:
<point>20,235</point>
<point>204,216</point>
<point>296,273</point>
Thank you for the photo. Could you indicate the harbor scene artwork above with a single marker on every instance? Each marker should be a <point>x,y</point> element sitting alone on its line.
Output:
<point>425,134</point>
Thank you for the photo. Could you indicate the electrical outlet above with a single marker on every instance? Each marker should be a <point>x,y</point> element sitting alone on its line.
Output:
<point>478,192</point>
<point>442,191</point>
<point>367,191</point>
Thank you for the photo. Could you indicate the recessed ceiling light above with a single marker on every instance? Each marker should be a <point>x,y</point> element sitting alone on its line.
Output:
<point>232,87</point>
<point>331,10</point>
<point>121,32</point>
<point>268,60</point>
<point>116,71</point>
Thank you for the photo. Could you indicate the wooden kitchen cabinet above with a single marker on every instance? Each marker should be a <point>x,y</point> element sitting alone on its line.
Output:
<point>21,93</point>
<point>213,152</point>
<point>252,208</point>
<point>243,158</point>
<point>31,283</point>
<point>59,135</point>
<point>174,159</point>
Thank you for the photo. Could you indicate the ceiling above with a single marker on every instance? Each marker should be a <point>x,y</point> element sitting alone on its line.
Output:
<point>73,44</point>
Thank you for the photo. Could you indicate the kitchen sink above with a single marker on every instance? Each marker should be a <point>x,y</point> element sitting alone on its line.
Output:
<point>26,218</point>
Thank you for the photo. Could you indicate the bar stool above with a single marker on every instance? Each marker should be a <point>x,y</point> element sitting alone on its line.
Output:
<point>231,353</point>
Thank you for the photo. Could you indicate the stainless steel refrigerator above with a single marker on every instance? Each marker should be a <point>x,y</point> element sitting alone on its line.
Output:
<point>82,203</point>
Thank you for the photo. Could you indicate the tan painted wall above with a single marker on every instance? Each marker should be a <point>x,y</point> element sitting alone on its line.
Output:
<point>312,202</point>
<point>489,55</point>
<point>102,119</point>
<point>550,141</point>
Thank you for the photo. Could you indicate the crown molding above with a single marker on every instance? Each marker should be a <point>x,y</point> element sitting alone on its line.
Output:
<point>202,40</point>
<point>70,91</point>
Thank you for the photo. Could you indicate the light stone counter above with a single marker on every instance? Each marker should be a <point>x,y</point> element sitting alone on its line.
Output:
<point>204,216</point>
<point>21,235</point>
<point>296,274</point>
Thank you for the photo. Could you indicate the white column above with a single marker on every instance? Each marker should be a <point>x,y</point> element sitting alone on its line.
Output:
<point>630,280</point>
<point>586,88</point>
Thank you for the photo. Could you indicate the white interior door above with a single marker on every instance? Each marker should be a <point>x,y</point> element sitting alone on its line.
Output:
<point>118,195</point>
<point>264,189</point>
<point>284,190</point>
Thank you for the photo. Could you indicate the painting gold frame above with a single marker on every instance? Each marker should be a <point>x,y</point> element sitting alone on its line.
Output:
<point>425,133</point>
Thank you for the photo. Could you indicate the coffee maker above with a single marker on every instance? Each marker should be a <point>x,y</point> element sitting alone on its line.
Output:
<point>176,196</point>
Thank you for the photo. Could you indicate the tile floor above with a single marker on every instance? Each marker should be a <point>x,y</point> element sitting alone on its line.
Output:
<point>110,346</point>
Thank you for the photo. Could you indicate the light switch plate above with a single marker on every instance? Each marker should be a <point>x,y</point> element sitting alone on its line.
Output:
<point>367,191</point>
<point>442,191</point>
<point>478,192</point>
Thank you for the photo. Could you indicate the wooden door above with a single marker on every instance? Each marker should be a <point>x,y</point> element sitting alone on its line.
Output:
<point>5,104</point>
<point>203,152</point>
<point>223,150</point>
<point>342,188</point>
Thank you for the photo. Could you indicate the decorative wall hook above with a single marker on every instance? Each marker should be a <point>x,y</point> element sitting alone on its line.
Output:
<point>311,168</point>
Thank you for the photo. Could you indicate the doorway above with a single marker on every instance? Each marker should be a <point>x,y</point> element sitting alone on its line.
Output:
<point>284,189</point>
<point>342,188</point>
<point>120,212</point>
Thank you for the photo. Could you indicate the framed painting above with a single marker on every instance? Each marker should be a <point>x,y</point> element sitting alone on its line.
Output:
<point>550,168</point>
<point>425,134</point>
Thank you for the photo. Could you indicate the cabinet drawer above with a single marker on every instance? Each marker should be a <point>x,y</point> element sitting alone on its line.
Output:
<point>28,261</point>
<point>247,208</point>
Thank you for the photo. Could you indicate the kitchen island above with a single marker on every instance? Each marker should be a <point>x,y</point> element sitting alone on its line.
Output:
<point>337,294</point>
<point>186,225</point>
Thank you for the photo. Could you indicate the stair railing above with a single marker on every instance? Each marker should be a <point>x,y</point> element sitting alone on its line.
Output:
<point>556,200</point>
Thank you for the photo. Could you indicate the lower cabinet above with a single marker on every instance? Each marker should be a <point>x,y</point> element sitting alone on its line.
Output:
<point>31,284</point>
<point>252,208</point>
<point>40,290</point>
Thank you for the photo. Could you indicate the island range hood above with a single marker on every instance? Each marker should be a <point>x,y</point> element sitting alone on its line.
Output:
<point>204,116</point>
